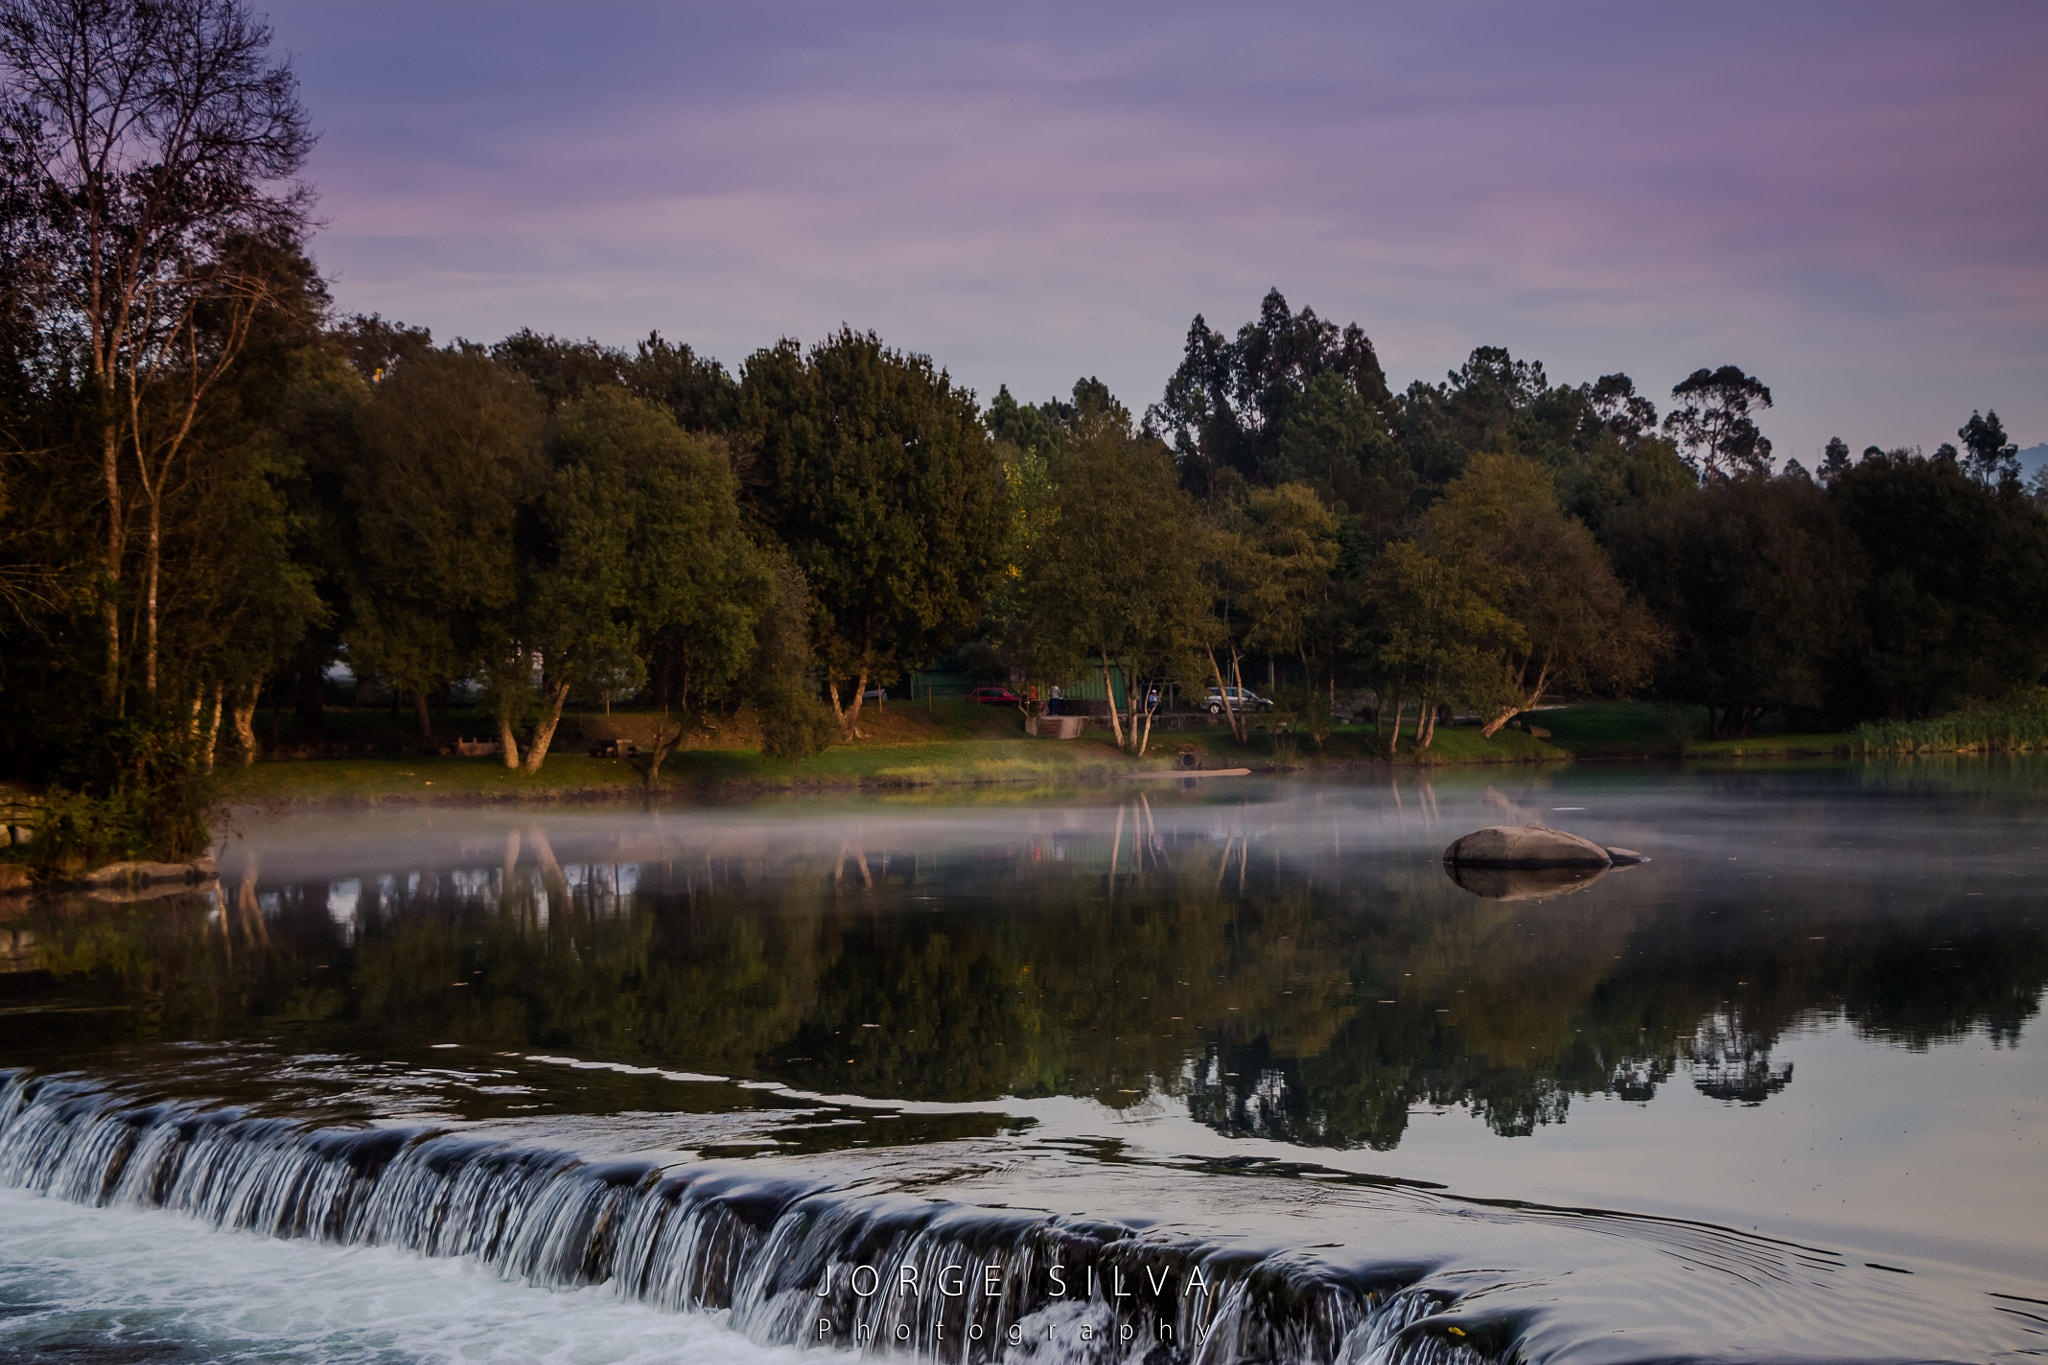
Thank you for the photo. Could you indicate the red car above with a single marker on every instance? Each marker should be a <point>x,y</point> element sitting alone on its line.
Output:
<point>995,696</point>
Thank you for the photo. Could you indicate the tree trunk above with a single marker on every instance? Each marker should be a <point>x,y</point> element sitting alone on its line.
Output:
<point>1429,735</point>
<point>1142,737</point>
<point>508,746</point>
<point>1492,727</point>
<point>1394,735</point>
<point>419,706</point>
<point>111,611</point>
<point>211,734</point>
<point>544,734</point>
<point>1115,721</point>
<point>245,722</point>
<point>665,742</point>
<point>1223,695</point>
<point>152,561</point>
<point>851,721</point>
<point>1239,725</point>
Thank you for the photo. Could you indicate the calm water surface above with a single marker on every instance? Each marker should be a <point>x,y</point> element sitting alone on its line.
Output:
<point>607,1084</point>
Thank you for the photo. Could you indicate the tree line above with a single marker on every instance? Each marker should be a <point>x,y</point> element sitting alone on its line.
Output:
<point>213,486</point>
<point>1477,542</point>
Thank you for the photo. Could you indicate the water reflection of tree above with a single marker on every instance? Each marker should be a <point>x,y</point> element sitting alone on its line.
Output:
<point>1729,1062</point>
<point>1317,1003</point>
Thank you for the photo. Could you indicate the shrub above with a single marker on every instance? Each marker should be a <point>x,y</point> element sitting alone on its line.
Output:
<point>137,791</point>
<point>796,726</point>
<point>2018,725</point>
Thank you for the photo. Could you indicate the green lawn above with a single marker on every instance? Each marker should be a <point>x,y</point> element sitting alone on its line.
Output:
<point>573,775</point>
<point>372,778</point>
<point>1785,744</point>
<point>1450,744</point>
<point>916,762</point>
<point>911,746</point>
<point>1625,727</point>
<point>1630,729</point>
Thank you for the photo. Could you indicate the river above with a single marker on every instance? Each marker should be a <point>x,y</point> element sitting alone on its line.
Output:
<point>1209,1071</point>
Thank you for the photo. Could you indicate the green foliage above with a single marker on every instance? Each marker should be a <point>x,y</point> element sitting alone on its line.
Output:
<point>1299,712</point>
<point>1113,578</point>
<point>877,475</point>
<point>2017,726</point>
<point>644,569</point>
<point>1954,606</point>
<point>1754,577</point>
<point>450,453</point>
<point>136,790</point>
<point>1576,627</point>
<point>1612,473</point>
<point>1027,440</point>
<point>795,725</point>
<point>1678,726</point>
<point>1268,568</point>
<point>1226,409</point>
<point>695,391</point>
<point>1440,635</point>
<point>1334,442</point>
<point>1045,427</point>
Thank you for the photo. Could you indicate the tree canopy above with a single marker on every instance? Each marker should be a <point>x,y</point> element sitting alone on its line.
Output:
<point>879,478</point>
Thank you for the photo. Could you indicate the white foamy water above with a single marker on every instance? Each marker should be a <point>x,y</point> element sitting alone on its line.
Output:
<point>115,1284</point>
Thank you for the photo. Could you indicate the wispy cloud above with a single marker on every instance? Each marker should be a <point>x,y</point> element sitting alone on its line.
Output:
<point>1846,198</point>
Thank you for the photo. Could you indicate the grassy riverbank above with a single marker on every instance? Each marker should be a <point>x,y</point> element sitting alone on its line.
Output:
<point>1631,729</point>
<point>570,777</point>
<point>902,746</point>
<point>2020,726</point>
<point>360,755</point>
<point>862,763</point>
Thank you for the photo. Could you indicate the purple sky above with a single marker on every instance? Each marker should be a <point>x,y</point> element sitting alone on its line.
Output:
<point>1848,199</point>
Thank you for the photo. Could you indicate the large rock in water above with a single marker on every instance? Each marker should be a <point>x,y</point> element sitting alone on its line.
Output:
<point>1528,847</point>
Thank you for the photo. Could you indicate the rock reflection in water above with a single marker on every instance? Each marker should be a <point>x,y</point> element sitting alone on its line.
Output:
<point>1523,883</point>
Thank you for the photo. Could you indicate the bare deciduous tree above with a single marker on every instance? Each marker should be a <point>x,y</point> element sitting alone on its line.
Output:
<point>153,153</point>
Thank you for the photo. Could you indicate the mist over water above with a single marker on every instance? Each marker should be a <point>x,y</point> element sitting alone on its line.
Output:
<point>1776,1090</point>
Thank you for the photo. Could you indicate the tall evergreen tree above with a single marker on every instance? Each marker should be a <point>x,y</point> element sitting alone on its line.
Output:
<point>1713,425</point>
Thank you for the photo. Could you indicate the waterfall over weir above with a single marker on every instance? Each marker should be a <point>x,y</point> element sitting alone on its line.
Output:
<point>789,1261</point>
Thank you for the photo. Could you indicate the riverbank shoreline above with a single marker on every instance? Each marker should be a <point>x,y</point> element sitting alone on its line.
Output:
<point>729,774</point>
<point>965,750</point>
